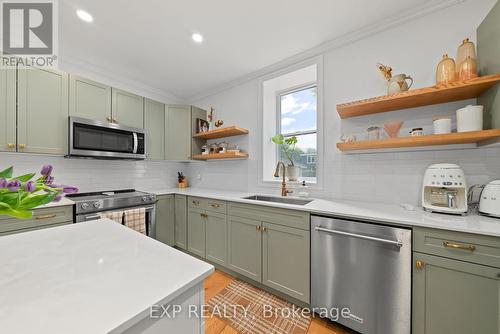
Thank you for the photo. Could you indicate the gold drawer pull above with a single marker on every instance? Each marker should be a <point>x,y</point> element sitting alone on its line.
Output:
<point>257,227</point>
<point>204,215</point>
<point>214,205</point>
<point>264,229</point>
<point>459,246</point>
<point>419,264</point>
<point>10,145</point>
<point>196,202</point>
<point>22,146</point>
<point>46,216</point>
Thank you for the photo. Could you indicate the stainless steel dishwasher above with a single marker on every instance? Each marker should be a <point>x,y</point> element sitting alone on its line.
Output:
<point>365,268</point>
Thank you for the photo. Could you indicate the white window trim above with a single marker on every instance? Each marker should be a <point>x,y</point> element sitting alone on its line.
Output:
<point>318,61</point>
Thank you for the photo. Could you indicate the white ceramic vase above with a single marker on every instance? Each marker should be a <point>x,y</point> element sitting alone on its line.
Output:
<point>292,173</point>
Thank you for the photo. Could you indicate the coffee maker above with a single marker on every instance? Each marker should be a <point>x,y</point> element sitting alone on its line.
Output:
<point>445,189</point>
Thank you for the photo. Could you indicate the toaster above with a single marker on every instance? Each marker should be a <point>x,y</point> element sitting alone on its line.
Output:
<point>489,203</point>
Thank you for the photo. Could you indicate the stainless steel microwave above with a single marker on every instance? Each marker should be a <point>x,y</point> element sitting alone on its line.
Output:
<point>90,138</point>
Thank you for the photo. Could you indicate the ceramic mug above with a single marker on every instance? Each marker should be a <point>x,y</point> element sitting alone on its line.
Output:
<point>398,84</point>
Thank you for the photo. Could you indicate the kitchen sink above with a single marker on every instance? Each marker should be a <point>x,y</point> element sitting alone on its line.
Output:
<point>285,200</point>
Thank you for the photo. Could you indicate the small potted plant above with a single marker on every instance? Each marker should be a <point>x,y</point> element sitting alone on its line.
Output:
<point>289,148</point>
<point>182,180</point>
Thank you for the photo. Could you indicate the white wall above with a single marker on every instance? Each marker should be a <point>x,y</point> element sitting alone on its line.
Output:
<point>350,73</point>
<point>94,175</point>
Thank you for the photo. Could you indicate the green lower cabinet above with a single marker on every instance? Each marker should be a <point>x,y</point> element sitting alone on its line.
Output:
<point>165,220</point>
<point>285,260</point>
<point>216,238</point>
<point>244,247</point>
<point>451,296</point>
<point>196,231</point>
<point>181,221</point>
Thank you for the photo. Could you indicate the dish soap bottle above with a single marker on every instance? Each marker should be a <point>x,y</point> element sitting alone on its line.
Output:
<point>303,190</point>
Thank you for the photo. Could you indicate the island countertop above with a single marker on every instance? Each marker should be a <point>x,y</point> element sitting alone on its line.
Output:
<point>91,277</point>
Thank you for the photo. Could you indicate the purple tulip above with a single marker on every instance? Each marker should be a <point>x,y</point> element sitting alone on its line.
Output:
<point>57,198</point>
<point>30,186</point>
<point>14,185</point>
<point>69,189</point>
<point>3,183</point>
<point>46,170</point>
<point>49,180</point>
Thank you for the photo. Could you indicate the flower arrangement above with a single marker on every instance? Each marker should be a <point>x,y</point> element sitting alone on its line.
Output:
<point>20,194</point>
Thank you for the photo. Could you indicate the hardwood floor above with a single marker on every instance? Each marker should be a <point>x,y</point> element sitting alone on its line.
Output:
<point>219,280</point>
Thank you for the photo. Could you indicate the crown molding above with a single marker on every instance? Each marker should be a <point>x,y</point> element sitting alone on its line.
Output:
<point>101,74</point>
<point>349,38</point>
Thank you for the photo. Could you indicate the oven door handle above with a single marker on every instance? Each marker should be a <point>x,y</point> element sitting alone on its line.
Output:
<point>94,217</point>
<point>397,243</point>
<point>136,142</point>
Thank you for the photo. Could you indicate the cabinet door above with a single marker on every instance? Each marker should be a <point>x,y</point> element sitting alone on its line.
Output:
<point>42,116</point>
<point>154,123</point>
<point>89,99</point>
<point>165,220</point>
<point>196,231</point>
<point>127,108</point>
<point>181,221</point>
<point>216,238</point>
<point>7,109</point>
<point>178,133</point>
<point>451,296</point>
<point>285,260</point>
<point>244,247</point>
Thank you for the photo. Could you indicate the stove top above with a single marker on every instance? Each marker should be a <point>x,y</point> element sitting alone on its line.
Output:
<point>110,200</point>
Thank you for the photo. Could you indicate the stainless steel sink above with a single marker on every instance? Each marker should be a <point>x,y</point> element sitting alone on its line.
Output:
<point>285,200</point>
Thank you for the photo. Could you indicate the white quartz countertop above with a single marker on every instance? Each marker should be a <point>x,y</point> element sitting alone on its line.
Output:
<point>377,212</point>
<point>88,278</point>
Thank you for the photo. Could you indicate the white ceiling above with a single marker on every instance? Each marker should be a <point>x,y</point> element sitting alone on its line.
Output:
<point>150,40</point>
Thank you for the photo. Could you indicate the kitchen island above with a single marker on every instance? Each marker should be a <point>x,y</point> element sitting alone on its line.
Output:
<point>98,277</point>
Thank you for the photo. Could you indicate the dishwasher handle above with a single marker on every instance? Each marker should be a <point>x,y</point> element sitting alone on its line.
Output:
<point>397,243</point>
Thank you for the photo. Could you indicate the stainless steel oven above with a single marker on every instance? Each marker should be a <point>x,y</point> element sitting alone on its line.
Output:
<point>90,138</point>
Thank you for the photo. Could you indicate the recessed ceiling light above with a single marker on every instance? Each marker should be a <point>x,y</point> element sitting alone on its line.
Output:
<point>198,38</point>
<point>84,16</point>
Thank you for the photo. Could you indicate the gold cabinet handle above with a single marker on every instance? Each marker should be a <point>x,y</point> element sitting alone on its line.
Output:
<point>22,146</point>
<point>196,202</point>
<point>419,264</point>
<point>204,215</point>
<point>214,205</point>
<point>114,120</point>
<point>108,119</point>
<point>448,244</point>
<point>257,227</point>
<point>264,229</point>
<point>11,145</point>
<point>45,216</point>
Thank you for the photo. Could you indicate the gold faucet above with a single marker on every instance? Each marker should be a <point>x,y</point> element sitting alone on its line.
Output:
<point>284,191</point>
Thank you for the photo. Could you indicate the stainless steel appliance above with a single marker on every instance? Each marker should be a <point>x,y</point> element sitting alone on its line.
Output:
<point>444,189</point>
<point>90,206</point>
<point>89,138</point>
<point>365,268</point>
<point>489,202</point>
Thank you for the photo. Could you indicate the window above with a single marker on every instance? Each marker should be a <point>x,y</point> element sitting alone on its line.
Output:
<point>297,117</point>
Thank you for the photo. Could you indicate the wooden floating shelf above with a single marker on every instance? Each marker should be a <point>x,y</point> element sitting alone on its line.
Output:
<point>217,156</point>
<point>455,91</point>
<point>472,137</point>
<point>222,133</point>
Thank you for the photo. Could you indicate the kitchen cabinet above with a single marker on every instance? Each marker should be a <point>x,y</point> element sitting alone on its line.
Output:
<point>42,114</point>
<point>451,296</point>
<point>285,260</point>
<point>196,143</point>
<point>154,123</point>
<point>165,219</point>
<point>245,247</point>
<point>7,110</point>
<point>196,231</point>
<point>89,99</point>
<point>216,238</point>
<point>181,221</point>
<point>127,108</point>
<point>178,133</point>
<point>42,218</point>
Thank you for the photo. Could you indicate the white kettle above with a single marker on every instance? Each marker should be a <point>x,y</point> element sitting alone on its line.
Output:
<point>489,203</point>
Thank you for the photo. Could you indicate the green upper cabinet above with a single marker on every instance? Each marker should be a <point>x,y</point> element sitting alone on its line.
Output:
<point>165,219</point>
<point>451,296</point>
<point>178,133</point>
<point>154,123</point>
<point>89,99</point>
<point>42,116</point>
<point>7,110</point>
<point>127,108</point>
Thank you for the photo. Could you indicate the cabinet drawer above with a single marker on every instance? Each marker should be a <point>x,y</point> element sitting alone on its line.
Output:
<point>285,217</point>
<point>35,228</point>
<point>197,202</point>
<point>41,218</point>
<point>216,206</point>
<point>457,245</point>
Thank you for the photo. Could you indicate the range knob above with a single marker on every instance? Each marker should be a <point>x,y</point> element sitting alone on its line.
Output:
<point>145,198</point>
<point>97,205</point>
<point>84,206</point>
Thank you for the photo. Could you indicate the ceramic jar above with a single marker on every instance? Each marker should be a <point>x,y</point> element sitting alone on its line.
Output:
<point>468,69</point>
<point>373,133</point>
<point>398,84</point>
<point>470,118</point>
<point>445,71</point>
<point>466,49</point>
<point>442,125</point>
<point>417,132</point>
